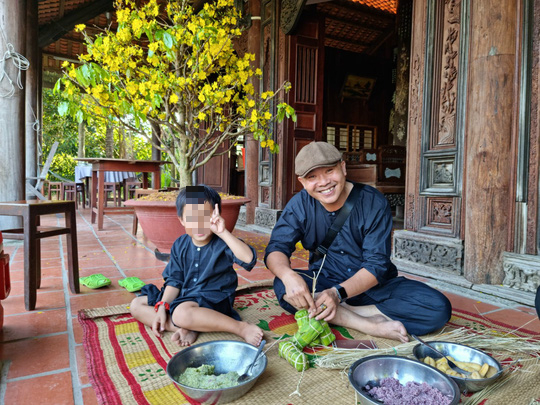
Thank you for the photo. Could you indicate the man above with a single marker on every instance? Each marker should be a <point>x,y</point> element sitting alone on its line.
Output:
<point>357,286</point>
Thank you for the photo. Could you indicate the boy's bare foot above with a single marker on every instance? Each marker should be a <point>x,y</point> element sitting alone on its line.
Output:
<point>382,327</point>
<point>184,337</point>
<point>252,334</point>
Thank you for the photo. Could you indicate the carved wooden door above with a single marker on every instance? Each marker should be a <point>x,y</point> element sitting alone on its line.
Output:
<point>306,74</point>
<point>215,173</point>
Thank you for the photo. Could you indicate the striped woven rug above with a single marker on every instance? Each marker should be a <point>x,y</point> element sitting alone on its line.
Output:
<point>126,362</point>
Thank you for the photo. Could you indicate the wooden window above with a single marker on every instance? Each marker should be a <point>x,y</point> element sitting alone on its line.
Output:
<point>351,137</point>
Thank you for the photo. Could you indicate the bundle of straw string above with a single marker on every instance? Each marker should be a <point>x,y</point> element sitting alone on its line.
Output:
<point>493,341</point>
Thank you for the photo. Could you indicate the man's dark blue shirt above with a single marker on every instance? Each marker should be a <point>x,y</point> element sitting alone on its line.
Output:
<point>363,242</point>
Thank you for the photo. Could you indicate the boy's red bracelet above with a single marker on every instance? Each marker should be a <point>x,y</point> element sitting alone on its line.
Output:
<point>167,306</point>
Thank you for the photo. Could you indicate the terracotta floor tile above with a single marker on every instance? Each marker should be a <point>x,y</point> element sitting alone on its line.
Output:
<point>468,304</point>
<point>50,389</point>
<point>145,273</point>
<point>32,324</point>
<point>45,300</point>
<point>128,263</point>
<point>33,356</point>
<point>77,330</point>
<point>99,299</point>
<point>529,310</point>
<point>81,365</point>
<point>89,396</point>
<point>516,319</point>
<point>297,263</point>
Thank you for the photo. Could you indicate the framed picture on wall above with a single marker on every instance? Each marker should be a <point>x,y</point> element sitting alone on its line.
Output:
<point>357,87</point>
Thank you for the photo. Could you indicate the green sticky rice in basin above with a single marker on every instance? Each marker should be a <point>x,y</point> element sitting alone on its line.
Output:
<point>203,377</point>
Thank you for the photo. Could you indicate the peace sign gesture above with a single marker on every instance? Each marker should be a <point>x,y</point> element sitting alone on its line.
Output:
<point>217,223</point>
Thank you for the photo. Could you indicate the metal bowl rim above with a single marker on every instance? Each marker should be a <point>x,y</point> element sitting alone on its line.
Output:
<point>457,392</point>
<point>492,378</point>
<point>263,356</point>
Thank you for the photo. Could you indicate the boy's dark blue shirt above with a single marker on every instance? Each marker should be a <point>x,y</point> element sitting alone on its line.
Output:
<point>363,242</point>
<point>205,270</point>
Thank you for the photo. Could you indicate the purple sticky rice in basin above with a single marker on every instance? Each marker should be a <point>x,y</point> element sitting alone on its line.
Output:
<point>391,392</point>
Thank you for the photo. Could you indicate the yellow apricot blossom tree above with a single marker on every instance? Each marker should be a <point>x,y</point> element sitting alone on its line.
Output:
<point>178,70</point>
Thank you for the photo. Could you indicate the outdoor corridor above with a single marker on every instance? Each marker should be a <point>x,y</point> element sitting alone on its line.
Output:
<point>42,355</point>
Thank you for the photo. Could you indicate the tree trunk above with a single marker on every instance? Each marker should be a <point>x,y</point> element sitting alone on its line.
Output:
<point>122,152</point>
<point>81,152</point>
<point>109,142</point>
<point>184,175</point>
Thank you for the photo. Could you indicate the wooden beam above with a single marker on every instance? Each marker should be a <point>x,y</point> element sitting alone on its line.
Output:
<point>355,23</point>
<point>56,29</point>
<point>347,41</point>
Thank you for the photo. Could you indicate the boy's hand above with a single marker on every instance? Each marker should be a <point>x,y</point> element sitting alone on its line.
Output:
<point>217,223</point>
<point>158,325</point>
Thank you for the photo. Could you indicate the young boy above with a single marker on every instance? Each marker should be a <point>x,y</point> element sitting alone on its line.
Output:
<point>200,282</point>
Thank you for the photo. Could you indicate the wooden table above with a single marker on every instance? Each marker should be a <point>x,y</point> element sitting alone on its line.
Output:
<point>32,233</point>
<point>98,195</point>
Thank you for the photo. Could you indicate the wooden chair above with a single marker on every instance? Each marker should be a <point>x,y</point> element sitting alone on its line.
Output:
<point>42,178</point>
<point>72,191</point>
<point>54,187</point>
<point>115,191</point>
<point>32,233</point>
<point>131,184</point>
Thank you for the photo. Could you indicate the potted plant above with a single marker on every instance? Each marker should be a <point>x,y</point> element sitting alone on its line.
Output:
<point>157,216</point>
<point>172,75</point>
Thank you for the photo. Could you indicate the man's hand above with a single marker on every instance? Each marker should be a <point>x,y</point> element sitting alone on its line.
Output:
<point>160,319</point>
<point>327,303</point>
<point>297,292</point>
<point>217,223</point>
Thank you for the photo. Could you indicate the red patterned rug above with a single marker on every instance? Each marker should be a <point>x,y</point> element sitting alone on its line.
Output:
<point>126,362</point>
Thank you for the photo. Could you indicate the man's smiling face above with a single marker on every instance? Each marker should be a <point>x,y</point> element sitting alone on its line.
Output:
<point>327,185</point>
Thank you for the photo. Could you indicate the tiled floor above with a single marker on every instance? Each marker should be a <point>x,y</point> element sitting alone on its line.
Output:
<point>42,350</point>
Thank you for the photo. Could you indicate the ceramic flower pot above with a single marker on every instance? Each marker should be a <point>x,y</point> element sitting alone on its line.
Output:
<point>160,224</point>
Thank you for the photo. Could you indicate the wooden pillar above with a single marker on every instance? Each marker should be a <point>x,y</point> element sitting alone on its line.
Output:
<point>489,127</point>
<point>251,145</point>
<point>31,92</point>
<point>12,117</point>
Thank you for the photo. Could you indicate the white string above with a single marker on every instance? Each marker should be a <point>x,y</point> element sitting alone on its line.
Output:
<point>20,62</point>
<point>35,126</point>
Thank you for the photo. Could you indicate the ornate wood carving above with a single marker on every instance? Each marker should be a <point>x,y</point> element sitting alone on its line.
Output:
<point>440,212</point>
<point>449,74</point>
<point>415,95</point>
<point>266,217</point>
<point>429,252</point>
<point>409,219</point>
<point>290,14</point>
<point>265,195</point>
<point>521,271</point>
<point>531,245</point>
<point>443,173</point>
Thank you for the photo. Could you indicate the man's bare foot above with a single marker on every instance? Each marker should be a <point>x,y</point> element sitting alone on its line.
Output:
<point>184,337</point>
<point>382,327</point>
<point>252,334</point>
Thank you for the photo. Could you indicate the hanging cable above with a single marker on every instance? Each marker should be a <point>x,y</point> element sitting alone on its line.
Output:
<point>20,62</point>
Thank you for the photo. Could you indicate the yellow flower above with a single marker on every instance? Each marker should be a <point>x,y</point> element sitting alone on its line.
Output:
<point>201,116</point>
<point>173,99</point>
<point>80,27</point>
<point>251,103</point>
<point>201,97</point>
